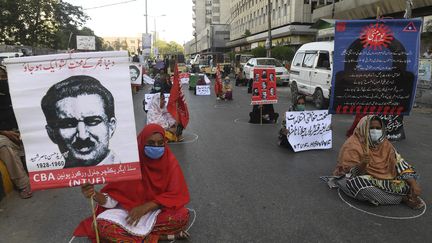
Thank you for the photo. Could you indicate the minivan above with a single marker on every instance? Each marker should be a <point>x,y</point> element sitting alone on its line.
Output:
<point>311,72</point>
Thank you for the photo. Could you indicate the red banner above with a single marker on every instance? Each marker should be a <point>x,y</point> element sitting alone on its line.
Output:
<point>264,86</point>
<point>77,176</point>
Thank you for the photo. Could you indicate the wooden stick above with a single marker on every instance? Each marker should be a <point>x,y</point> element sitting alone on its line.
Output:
<point>261,115</point>
<point>94,219</point>
<point>378,12</point>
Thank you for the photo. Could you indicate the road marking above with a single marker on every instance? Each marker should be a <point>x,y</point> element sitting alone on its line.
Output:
<point>383,216</point>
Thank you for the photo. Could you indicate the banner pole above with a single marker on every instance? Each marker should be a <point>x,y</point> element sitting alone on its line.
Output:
<point>261,114</point>
<point>94,219</point>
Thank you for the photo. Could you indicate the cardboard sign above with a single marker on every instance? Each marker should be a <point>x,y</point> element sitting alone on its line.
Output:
<point>308,130</point>
<point>375,66</point>
<point>135,72</point>
<point>264,86</point>
<point>184,78</point>
<point>203,90</point>
<point>86,43</point>
<point>149,97</point>
<point>148,80</point>
<point>76,118</point>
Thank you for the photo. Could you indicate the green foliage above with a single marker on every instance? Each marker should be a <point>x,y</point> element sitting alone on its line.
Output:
<point>247,33</point>
<point>168,48</point>
<point>283,53</point>
<point>259,52</point>
<point>428,26</point>
<point>44,23</point>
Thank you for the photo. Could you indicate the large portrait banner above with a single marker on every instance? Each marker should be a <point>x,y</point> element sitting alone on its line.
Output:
<point>76,118</point>
<point>375,66</point>
<point>264,86</point>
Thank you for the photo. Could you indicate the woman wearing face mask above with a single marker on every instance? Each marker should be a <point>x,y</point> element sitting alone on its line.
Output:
<point>162,187</point>
<point>283,132</point>
<point>370,168</point>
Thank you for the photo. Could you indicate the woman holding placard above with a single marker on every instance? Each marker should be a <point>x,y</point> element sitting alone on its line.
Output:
<point>370,169</point>
<point>283,132</point>
<point>147,210</point>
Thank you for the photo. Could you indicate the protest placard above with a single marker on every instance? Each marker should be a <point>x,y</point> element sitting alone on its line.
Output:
<point>86,43</point>
<point>394,127</point>
<point>135,71</point>
<point>308,130</point>
<point>184,78</point>
<point>148,79</point>
<point>203,90</point>
<point>149,97</point>
<point>76,118</point>
<point>375,66</point>
<point>264,86</point>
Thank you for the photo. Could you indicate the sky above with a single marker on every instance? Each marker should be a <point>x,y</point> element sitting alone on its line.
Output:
<point>128,20</point>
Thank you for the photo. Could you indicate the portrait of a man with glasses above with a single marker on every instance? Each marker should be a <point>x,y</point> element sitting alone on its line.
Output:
<point>80,119</point>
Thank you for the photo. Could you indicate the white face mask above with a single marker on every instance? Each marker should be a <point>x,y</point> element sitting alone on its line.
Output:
<point>375,134</point>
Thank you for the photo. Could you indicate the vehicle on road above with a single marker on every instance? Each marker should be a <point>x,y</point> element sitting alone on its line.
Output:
<point>311,72</point>
<point>282,74</point>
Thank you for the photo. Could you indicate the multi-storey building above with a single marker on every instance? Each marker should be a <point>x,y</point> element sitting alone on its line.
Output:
<point>211,28</point>
<point>290,22</point>
<point>131,44</point>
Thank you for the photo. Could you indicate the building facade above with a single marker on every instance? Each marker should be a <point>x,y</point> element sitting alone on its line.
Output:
<point>131,44</point>
<point>211,27</point>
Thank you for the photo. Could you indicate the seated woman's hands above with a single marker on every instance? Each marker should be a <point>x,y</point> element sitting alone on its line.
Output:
<point>88,191</point>
<point>137,212</point>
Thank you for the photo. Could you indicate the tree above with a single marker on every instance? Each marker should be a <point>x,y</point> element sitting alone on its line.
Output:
<point>46,23</point>
<point>283,53</point>
<point>259,51</point>
<point>170,48</point>
<point>428,26</point>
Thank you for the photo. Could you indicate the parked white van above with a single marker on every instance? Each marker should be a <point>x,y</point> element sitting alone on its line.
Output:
<point>311,72</point>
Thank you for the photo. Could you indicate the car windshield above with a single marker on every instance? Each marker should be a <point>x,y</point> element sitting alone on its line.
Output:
<point>244,59</point>
<point>269,62</point>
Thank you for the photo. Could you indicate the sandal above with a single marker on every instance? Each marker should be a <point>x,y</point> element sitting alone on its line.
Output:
<point>413,202</point>
<point>25,193</point>
<point>182,235</point>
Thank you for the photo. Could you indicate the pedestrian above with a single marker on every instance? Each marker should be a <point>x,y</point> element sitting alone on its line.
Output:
<point>162,187</point>
<point>299,105</point>
<point>370,169</point>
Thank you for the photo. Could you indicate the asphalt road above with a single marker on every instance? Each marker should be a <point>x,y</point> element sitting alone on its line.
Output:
<point>244,188</point>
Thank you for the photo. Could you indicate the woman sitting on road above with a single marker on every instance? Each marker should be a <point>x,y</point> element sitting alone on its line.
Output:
<point>227,89</point>
<point>371,169</point>
<point>162,187</point>
<point>263,114</point>
<point>158,114</point>
<point>283,132</point>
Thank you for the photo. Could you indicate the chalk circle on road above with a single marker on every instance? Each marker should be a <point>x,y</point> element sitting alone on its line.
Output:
<point>404,211</point>
<point>189,137</point>
<point>246,121</point>
<point>226,106</point>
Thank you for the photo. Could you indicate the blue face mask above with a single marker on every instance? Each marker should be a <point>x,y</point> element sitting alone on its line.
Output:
<point>154,152</point>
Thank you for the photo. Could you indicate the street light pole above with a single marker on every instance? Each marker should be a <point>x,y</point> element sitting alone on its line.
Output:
<point>269,38</point>
<point>146,15</point>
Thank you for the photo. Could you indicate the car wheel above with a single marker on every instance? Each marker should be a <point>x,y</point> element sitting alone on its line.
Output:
<point>294,92</point>
<point>318,99</point>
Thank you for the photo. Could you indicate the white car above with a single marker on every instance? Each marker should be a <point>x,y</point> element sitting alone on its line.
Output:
<point>282,74</point>
<point>311,72</point>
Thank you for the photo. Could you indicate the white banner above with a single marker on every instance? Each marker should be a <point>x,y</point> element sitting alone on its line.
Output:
<point>76,118</point>
<point>203,90</point>
<point>148,80</point>
<point>135,72</point>
<point>149,97</point>
<point>308,130</point>
<point>87,43</point>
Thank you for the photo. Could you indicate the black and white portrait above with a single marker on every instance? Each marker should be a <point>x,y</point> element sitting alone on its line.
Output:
<point>134,73</point>
<point>80,117</point>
